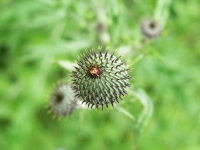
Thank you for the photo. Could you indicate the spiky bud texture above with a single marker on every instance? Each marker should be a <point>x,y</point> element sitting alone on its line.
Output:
<point>62,101</point>
<point>100,78</point>
<point>150,28</point>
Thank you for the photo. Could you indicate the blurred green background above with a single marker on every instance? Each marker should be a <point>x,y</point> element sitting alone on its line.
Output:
<point>34,33</point>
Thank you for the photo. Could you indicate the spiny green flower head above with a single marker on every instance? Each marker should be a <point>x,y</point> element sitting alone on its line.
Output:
<point>100,78</point>
<point>62,101</point>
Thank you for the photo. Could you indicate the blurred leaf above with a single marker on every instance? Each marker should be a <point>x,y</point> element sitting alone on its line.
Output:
<point>162,11</point>
<point>147,111</point>
<point>125,112</point>
<point>66,64</point>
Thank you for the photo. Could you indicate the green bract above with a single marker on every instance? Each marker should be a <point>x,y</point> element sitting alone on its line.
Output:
<point>100,78</point>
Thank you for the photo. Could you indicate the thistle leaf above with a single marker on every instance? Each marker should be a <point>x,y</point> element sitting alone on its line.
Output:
<point>147,110</point>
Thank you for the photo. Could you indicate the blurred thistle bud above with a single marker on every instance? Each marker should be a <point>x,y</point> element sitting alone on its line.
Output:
<point>100,27</point>
<point>102,34</point>
<point>100,78</point>
<point>150,28</point>
<point>62,101</point>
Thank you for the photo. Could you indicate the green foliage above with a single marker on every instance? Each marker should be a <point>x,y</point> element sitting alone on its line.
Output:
<point>34,35</point>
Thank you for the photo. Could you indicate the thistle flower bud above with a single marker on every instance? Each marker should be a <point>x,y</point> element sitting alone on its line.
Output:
<point>100,78</point>
<point>62,101</point>
<point>150,28</point>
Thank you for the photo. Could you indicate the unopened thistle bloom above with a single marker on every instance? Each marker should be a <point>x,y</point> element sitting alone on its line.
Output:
<point>150,28</point>
<point>100,78</point>
<point>62,101</point>
<point>100,27</point>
